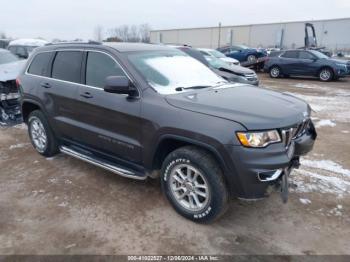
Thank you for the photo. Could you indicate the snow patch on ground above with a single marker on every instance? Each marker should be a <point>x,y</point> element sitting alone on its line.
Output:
<point>327,165</point>
<point>305,201</point>
<point>300,85</point>
<point>321,176</point>
<point>325,122</point>
<point>20,145</point>
<point>21,126</point>
<point>345,131</point>
<point>307,182</point>
<point>63,204</point>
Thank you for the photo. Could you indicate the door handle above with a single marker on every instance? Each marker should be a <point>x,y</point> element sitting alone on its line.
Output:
<point>46,85</point>
<point>86,95</point>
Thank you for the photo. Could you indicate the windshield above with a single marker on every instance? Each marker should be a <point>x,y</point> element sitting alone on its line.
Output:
<point>318,54</point>
<point>7,57</point>
<point>216,54</point>
<point>215,62</point>
<point>167,71</point>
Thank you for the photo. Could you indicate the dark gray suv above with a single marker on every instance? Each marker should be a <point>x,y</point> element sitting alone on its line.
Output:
<point>142,110</point>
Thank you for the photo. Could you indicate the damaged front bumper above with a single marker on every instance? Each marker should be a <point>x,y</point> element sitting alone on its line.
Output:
<point>254,172</point>
<point>10,110</point>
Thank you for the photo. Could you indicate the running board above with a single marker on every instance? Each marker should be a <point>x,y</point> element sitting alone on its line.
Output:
<point>103,164</point>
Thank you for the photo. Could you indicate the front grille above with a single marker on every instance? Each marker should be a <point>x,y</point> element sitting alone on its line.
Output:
<point>288,134</point>
<point>8,87</point>
<point>251,77</point>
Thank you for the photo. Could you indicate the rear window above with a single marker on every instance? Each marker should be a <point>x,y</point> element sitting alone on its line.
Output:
<point>67,66</point>
<point>291,54</point>
<point>40,64</point>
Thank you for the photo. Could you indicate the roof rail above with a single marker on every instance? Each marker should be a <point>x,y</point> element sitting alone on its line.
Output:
<point>90,42</point>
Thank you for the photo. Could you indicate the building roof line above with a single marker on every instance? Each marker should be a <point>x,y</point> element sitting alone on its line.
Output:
<point>247,25</point>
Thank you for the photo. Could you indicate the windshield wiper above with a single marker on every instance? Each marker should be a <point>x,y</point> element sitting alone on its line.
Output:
<point>190,87</point>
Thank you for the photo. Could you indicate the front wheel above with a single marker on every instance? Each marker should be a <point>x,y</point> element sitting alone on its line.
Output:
<point>252,58</point>
<point>41,135</point>
<point>326,74</point>
<point>193,183</point>
<point>275,72</point>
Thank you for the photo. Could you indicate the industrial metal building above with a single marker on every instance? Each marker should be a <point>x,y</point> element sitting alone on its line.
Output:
<point>333,34</point>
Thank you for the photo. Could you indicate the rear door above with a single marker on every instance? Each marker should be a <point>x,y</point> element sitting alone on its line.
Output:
<point>60,93</point>
<point>289,61</point>
<point>110,122</point>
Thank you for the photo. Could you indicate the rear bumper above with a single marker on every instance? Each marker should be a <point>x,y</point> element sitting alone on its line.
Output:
<point>253,171</point>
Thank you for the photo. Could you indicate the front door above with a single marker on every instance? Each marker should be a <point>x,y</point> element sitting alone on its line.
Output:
<point>110,122</point>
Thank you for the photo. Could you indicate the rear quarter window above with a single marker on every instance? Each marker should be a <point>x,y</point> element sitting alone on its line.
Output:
<point>40,64</point>
<point>67,66</point>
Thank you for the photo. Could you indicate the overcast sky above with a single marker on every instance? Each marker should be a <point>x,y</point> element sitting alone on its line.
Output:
<point>70,19</point>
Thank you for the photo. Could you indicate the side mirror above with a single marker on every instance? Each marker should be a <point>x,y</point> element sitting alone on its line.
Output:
<point>118,85</point>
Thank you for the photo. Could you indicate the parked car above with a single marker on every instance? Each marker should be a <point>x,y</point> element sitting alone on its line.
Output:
<point>23,47</point>
<point>217,54</point>
<point>10,67</point>
<point>4,43</point>
<point>144,110</point>
<point>306,63</point>
<point>243,53</point>
<point>233,73</point>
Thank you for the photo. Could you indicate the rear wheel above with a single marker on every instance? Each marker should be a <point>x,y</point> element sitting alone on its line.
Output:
<point>326,74</point>
<point>275,72</point>
<point>41,135</point>
<point>252,58</point>
<point>193,183</point>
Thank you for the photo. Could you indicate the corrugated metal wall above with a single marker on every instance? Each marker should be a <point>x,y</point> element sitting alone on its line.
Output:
<point>334,34</point>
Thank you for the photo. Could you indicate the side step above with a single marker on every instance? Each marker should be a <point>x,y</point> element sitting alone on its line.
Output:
<point>102,163</point>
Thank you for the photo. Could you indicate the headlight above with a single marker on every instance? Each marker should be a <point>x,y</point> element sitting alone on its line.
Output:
<point>341,65</point>
<point>258,139</point>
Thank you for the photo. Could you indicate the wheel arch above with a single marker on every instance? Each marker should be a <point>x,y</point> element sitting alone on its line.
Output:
<point>27,107</point>
<point>326,67</point>
<point>169,143</point>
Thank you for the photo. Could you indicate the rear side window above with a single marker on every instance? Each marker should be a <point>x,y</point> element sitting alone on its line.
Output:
<point>67,66</point>
<point>291,54</point>
<point>40,64</point>
<point>306,55</point>
<point>98,67</point>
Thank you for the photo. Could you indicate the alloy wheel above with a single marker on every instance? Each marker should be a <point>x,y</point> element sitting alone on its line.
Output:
<point>275,72</point>
<point>325,75</point>
<point>38,134</point>
<point>189,188</point>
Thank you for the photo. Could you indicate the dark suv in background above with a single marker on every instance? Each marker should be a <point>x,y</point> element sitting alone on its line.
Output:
<point>306,63</point>
<point>144,111</point>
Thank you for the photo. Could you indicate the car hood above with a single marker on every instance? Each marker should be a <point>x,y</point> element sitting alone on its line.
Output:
<point>229,60</point>
<point>10,71</point>
<point>254,108</point>
<point>339,61</point>
<point>239,70</point>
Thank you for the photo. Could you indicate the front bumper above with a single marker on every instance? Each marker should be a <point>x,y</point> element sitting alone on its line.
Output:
<point>254,170</point>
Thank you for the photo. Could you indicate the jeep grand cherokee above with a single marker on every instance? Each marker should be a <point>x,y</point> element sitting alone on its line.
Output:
<point>142,110</point>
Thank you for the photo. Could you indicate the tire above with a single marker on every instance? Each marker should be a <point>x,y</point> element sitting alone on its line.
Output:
<point>326,74</point>
<point>41,134</point>
<point>275,72</point>
<point>251,58</point>
<point>179,187</point>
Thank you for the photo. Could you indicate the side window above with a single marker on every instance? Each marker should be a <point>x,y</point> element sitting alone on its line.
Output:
<point>21,51</point>
<point>290,54</point>
<point>40,64</point>
<point>13,49</point>
<point>98,67</point>
<point>67,66</point>
<point>305,55</point>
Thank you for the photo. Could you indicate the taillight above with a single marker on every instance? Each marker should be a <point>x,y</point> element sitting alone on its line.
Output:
<point>18,83</point>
